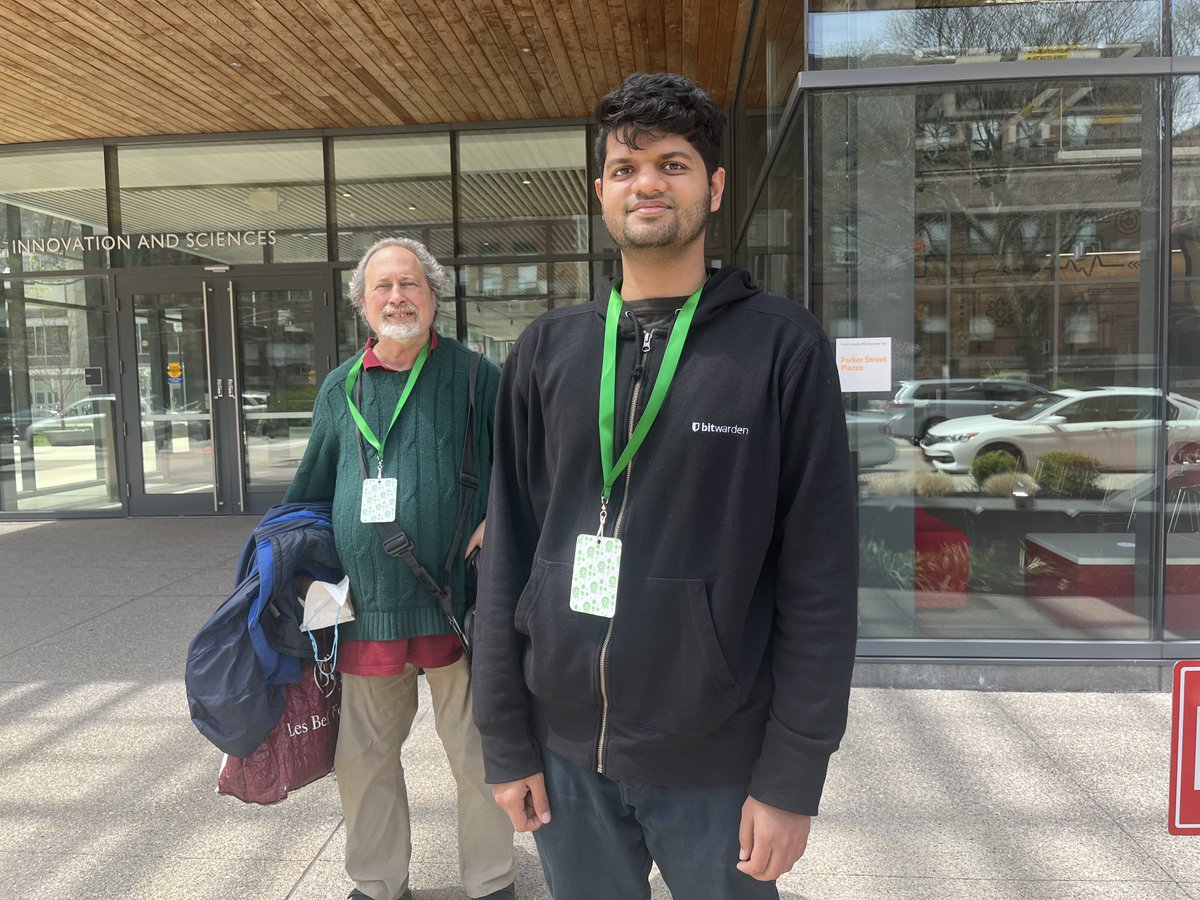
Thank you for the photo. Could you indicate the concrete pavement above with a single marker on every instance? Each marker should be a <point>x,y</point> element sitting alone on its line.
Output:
<point>108,791</point>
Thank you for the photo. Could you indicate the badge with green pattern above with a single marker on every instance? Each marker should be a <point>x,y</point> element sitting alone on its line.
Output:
<point>594,580</point>
<point>378,500</point>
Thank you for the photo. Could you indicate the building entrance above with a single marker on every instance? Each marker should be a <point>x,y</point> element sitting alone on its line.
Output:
<point>216,385</point>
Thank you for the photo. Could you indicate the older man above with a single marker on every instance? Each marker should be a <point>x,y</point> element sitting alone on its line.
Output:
<point>403,405</point>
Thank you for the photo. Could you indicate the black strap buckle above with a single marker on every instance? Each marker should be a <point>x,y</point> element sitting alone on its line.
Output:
<point>398,544</point>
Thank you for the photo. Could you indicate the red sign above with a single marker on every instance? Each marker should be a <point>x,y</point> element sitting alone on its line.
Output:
<point>1184,817</point>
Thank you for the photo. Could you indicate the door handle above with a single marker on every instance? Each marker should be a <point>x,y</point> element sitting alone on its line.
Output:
<point>220,395</point>
<point>235,390</point>
<point>208,361</point>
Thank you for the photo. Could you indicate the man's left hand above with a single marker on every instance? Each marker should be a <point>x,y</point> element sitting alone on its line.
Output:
<point>476,540</point>
<point>771,840</point>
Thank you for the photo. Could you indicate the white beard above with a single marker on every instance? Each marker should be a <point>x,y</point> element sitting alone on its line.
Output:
<point>394,331</point>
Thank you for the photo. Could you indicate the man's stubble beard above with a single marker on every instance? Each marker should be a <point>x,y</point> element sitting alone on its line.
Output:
<point>684,228</point>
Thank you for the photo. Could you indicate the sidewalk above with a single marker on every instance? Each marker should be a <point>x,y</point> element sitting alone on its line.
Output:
<point>107,790</point>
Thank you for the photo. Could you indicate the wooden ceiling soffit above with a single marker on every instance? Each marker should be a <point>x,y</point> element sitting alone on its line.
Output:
<point>78,69</point>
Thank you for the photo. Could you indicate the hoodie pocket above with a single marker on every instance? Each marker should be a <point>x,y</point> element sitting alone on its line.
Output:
<point>667,670</point>
<point>561,659</point>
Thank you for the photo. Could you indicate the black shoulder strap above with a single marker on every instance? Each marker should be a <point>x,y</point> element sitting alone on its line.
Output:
<point>397,544</point>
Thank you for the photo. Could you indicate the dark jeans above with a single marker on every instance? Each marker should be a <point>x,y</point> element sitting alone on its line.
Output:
<point>604,834</point>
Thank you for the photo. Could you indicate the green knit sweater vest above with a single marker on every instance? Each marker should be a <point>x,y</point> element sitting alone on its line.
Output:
<point>423,453</point>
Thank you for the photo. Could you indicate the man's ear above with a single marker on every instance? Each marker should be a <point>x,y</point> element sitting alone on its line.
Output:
<point>716,189</point>
<point>600,189</point>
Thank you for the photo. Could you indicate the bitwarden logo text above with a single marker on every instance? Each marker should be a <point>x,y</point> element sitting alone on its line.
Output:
<point>719,429</point>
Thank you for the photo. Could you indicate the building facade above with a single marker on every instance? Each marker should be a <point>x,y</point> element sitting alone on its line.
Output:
<point>993,210</point>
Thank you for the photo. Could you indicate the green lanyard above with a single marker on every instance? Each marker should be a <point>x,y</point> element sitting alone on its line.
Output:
<point>608,390</point>
<point>363,427</point>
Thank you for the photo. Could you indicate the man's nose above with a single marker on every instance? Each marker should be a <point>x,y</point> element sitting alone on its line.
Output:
<point>649,181</point>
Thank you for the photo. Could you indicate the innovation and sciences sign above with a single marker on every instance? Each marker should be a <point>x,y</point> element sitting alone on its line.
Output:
<point>188,240</point>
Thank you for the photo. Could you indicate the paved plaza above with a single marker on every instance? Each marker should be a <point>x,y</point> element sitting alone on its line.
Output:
<point>108,791</point>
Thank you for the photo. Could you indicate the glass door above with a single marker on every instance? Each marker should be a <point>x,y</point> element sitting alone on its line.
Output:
<point>218,380</point>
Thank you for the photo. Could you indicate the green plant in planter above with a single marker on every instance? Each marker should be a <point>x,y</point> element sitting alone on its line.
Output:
<point>1061,473</point>
<point>940,570</point>
<point>994,463</point>
<point>881,566</point>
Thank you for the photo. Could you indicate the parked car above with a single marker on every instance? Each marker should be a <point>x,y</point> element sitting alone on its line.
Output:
<point>13,424</point>
<point>871,438</point>
<point>77,424</point>
<point>919,404</point>
<point>1116,425</point>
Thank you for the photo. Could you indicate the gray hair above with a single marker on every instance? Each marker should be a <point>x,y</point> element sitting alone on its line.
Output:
<point>435,275</point>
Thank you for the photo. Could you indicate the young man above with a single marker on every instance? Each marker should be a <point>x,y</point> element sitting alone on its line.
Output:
<point>403,403</point>
<point>667,614</point>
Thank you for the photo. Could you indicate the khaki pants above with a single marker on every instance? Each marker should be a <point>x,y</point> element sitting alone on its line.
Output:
<point>376,715</point>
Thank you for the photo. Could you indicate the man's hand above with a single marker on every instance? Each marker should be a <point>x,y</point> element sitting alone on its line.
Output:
<point>476,540</point>
<point>771,840</point>
<point>525,802</point>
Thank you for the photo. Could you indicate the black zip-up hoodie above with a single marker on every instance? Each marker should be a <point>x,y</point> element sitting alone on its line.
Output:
<point>730,654</point>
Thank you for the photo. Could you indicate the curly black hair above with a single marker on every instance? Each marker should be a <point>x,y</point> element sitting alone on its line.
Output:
<point>662,103</point>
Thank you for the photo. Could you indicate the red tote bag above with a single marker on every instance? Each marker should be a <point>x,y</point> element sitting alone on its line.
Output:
<point>298,751</point>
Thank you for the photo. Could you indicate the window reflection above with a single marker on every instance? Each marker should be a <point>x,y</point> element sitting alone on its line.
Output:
<point>57,402</point>
<point>862,34</point>
<point>523,193</point>
<point>501,300</point>
<point>388,186</point>
<point>1182,586</point>
<point>52,210</point>
<point>995,233</point>
<point>245,202</point>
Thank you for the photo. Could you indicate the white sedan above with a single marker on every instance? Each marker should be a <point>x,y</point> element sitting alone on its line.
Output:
<point>1119,426</point>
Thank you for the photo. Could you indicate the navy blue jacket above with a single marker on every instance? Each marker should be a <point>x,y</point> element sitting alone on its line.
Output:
<point>241,658</point>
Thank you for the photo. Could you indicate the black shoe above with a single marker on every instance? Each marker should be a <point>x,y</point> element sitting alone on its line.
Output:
<point>356,894</point>
<point>505,893</point>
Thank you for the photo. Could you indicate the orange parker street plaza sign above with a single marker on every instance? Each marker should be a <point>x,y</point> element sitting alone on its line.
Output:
<point>1184,816</point>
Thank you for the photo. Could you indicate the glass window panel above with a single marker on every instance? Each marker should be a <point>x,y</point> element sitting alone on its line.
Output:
<point>524,192</point>
<point>775,57</point>
<point>1017,208</point>
<point>393,186</point>
<point>869,33</point>
<point>53,214</point>
<point>278,383</point>
<point>1185,29</point>
<point>227,204</point>
<point>175,415</point>
<point>501,300</point>
<point>351,329</point>
<point>1182,612</point>
<point>58,445</point>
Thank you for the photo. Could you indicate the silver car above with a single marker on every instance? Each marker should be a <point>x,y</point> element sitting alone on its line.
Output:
<point>871,439</point>
<point>1118,426</point>
<point>919,404</point>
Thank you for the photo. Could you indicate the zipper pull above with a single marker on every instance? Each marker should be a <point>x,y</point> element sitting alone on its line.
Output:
<point>646,341</point>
